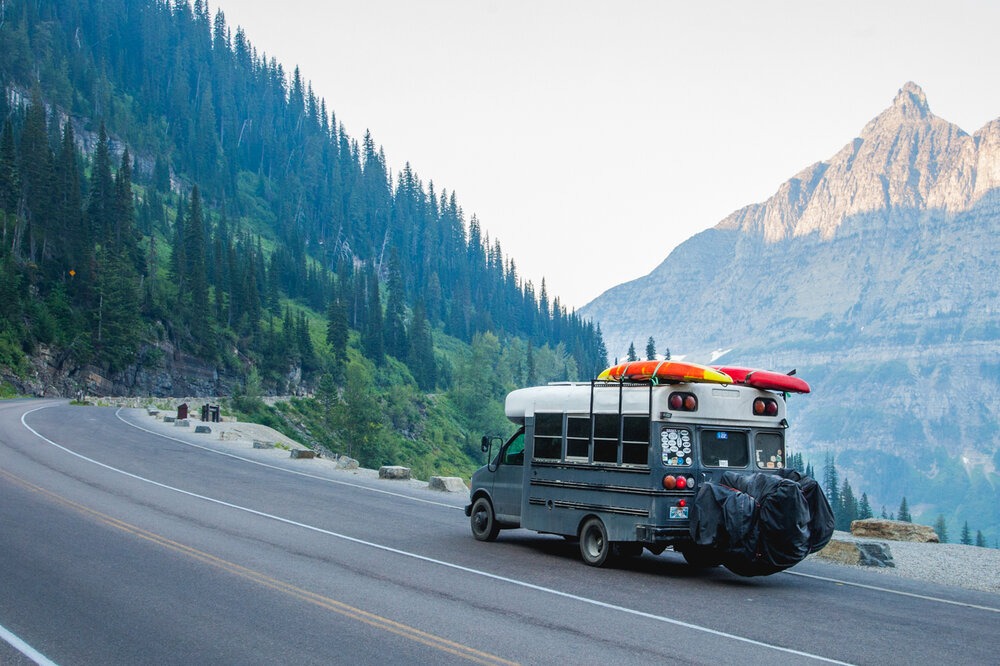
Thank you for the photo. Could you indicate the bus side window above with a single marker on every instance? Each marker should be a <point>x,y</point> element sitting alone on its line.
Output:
<point>578,437</point>
<point>548,436</point>
<point>605,438</point>
<point>768,451</point>
<point>635,441</point>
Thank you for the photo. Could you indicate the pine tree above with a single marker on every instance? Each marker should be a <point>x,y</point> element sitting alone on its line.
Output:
<point>373,341</point>
<point>831,483</point>
<point>118,329</point>
<point>966,538</point>
<point>421,354</point>
<point>980,539</point>
<point>126,239</point>
<point>337,332</point>
<point>10,176</point>
<point>359,418</point>
<point>395,311</point>
<point>632,356</point>
<point>37,176</point>
<point>303,341</point>
<point>196,293</point>
<point>77,248</point>
<point>904,512</point>
<point>101,201</point>
<point>848,510</point>
<point>650,349</point>
<point>601,354</point>
<point>941,528</point>
<point>864,508</point>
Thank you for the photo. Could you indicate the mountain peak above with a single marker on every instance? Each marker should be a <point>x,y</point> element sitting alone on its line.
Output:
<point>911,102</point>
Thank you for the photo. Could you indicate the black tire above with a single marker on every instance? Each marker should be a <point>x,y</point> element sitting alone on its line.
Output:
<point>483,521</point>
<point>594,544</point>
<point>701,557</point>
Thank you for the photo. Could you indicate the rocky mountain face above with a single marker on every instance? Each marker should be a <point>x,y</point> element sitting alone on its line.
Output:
<point>875,273</point>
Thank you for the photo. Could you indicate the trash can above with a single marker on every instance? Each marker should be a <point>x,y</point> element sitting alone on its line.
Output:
<point>204,413</point>
<point>182,410</point>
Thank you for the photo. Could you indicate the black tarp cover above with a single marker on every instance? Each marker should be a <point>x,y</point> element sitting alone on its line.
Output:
<point>762,523</point>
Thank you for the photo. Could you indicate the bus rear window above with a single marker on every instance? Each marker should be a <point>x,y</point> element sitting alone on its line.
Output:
<point>724,448</point>
<point>768,450</point>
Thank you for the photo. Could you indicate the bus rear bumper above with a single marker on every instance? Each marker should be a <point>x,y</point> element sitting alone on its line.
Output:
<point>662,534</point>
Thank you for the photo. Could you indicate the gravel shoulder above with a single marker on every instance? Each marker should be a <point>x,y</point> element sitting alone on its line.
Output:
<point>952,564</point>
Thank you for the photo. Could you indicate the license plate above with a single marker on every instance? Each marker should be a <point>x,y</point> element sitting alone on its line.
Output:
<point>678,512</point>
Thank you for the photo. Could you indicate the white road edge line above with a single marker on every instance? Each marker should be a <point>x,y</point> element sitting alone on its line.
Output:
<point>876,588</point>
<point>18,644</point>
<point>442,563</point>
<point>281,469</point>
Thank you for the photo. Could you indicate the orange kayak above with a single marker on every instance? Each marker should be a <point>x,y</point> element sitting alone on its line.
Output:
<point>665,371</point>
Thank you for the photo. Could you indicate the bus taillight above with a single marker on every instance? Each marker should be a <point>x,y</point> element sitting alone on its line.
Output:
<point>670,482</point>
<point>765,407</point>
<point>683,402</point>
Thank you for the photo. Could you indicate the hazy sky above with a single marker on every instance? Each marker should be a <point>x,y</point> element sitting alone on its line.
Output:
<point>591,138</point>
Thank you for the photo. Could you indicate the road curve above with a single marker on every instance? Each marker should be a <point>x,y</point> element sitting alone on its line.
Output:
<point>124,540</point>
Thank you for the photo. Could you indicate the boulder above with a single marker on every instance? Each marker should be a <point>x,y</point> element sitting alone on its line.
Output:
<point>258,444</point>
<point>183,423</point>
<point>202,428</point>
<point>344,462</point>
<point>863,553</point>
<point>893,530</point>
<point>393,472</point>
<point>448,484</point>
<point>303,453</point>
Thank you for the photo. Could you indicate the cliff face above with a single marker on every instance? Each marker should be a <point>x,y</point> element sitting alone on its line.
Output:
<point>875,273</point>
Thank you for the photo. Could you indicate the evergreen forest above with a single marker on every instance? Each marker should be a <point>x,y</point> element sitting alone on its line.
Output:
<point>166,189</point>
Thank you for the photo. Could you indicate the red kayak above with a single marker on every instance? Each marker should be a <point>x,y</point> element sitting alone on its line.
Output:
<point>764,379</point>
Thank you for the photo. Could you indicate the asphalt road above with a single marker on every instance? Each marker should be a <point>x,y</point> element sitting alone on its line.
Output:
<point>126,541</point>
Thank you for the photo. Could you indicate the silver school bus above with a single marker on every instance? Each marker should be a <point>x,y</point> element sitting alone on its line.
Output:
<point>617,465</point>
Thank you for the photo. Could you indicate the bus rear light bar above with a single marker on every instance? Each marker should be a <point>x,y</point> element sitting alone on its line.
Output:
<point>680,482</point>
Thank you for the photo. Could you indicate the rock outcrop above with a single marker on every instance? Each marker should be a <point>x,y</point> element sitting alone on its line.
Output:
<point>894,530</point>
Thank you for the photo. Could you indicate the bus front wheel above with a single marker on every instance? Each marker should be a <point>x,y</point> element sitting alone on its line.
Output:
<point>484,522</point>
<point>594,544</point>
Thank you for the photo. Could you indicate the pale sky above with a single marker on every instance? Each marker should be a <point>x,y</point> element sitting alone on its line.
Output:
<point>591,138</point>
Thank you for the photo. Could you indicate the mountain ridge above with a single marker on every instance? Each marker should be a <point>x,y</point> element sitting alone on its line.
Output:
<point>912,143</point>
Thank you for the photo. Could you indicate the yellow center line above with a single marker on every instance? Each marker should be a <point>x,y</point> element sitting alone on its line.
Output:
<point>346,610</point>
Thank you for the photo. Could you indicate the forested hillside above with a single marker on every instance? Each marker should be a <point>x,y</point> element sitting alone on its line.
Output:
<point>168,191</point>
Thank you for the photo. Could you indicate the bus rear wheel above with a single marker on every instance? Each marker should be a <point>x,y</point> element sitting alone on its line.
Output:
<point>483,521</point>
<point>594,544</point>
